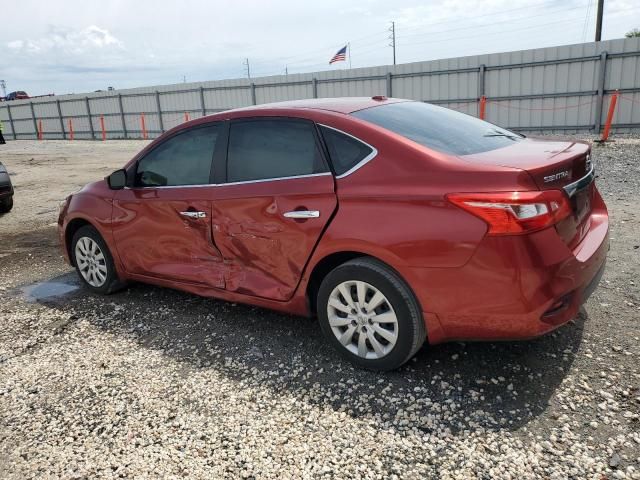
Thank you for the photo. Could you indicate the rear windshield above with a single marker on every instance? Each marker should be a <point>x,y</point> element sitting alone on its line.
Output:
<point>439,128</point>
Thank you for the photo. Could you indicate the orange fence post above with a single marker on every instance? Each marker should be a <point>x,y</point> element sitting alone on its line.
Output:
<point>104,132</point>
<point>612,108</point>
<point>483,104</point>
<point>40,135</point>
<point>70,129</point>
<point>144,127</point>
<point>186,116</point>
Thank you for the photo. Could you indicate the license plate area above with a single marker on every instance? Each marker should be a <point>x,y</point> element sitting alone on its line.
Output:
<point>581,203</point>
<point>581,195</point>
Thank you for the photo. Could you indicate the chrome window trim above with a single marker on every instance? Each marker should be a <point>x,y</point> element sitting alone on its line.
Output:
<point>361,163</point>
<point>578,185</point>
<point>233,183</point>
<point>172,186</point>
<point>262,180</point>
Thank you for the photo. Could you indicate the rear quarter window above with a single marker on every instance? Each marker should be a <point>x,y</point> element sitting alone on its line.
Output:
<point>345,151</point>
<point>439,128</point>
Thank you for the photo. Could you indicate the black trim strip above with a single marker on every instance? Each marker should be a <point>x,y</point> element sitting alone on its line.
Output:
<point>578,185</point>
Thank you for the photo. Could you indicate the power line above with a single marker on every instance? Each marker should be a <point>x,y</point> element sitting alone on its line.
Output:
<point>489,14</point>
<point>403,37</point>
<point>586,21</point>
<point>499,22</point>
<point>565,21</point>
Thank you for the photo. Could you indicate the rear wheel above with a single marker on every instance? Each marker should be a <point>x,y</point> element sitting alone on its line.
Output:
<point>370,315</point>
<point>93,261</point>
<point>6,205</point>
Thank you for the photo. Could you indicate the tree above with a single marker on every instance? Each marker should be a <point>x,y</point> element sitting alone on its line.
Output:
<point>633,33</point>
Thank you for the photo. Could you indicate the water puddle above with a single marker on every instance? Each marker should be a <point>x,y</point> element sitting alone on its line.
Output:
<point>49,290</point>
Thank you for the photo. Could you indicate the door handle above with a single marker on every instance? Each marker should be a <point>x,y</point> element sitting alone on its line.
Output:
<point>192,214</point>
<point>302,214</point>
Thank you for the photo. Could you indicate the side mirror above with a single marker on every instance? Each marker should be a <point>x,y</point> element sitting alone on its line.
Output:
<point>117,180</point>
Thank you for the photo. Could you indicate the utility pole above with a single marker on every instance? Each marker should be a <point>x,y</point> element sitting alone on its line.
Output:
<point>392,37</point>
<point>599,20</point>
<point>246,64</point>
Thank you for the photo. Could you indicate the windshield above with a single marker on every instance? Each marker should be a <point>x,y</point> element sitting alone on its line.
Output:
<point>439,128</point>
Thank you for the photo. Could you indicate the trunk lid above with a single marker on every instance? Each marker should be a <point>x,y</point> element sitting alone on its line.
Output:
<point>553,165</point>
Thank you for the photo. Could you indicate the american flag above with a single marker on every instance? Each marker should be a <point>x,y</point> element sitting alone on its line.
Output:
<point>340,56</point>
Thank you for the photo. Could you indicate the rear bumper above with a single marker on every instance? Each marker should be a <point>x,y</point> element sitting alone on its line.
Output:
<point>514,287</point>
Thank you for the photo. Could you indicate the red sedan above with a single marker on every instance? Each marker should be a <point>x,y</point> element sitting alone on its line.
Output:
<point>391,220</point>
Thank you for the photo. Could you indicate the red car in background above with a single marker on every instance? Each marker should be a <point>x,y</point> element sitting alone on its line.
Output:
<point>19,95</point>
<point>391,220</point>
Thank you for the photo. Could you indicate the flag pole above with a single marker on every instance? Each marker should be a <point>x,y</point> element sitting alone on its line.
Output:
<point>349,48</point>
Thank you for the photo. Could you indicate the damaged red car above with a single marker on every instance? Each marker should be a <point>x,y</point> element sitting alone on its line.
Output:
<point>393,221</point>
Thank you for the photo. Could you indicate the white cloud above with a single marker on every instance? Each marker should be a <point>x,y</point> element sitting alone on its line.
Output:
<point>68,42</point>
<point>15,44</point>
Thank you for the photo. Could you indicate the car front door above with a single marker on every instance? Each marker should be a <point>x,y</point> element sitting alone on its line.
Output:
<point>162,221</point>
<point>277,197</point>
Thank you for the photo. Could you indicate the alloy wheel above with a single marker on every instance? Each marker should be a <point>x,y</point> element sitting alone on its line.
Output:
<point>362,319</point>
<point>91,262</point>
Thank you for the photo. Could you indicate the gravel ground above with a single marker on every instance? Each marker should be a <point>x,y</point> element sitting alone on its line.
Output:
<point>151,382</point>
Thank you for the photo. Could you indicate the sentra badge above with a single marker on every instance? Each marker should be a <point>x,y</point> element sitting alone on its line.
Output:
<point>557,176</point>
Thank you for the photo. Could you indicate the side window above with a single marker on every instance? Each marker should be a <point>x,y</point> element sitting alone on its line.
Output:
<point>263,149</point>
<point>182,160</point>
<point>345,151</point>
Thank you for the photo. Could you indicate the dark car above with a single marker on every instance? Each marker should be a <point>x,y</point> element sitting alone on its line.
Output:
<point>6,190</point>
<point>19,95</point>
<point>390,220</point>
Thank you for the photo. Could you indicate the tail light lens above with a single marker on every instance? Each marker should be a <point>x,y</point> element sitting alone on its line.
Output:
<point>513,213</point>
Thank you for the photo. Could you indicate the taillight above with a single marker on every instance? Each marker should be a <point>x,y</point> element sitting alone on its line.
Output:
<point>512,213</point>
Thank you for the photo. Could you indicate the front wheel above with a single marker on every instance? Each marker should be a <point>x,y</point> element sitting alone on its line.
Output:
<point>93,261</point>
<point>370,315</point>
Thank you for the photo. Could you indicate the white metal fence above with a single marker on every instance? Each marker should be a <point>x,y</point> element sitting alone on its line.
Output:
<point>564,89</point>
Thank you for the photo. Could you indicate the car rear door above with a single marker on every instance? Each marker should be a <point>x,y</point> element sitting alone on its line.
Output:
<point>277,197</point>
<point>162,221</point>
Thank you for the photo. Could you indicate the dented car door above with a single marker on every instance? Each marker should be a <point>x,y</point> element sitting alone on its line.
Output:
<point>169,200</point>
<point>274,205</point>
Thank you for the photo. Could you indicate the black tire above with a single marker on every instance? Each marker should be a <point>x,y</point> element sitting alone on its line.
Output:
<point>111,283</point>
<point>411,331</point>
<point>6,205</point>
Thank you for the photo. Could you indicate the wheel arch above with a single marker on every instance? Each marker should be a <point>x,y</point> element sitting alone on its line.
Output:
<point>327,262</point>
<point>70,230</point>
<point>322,268</point>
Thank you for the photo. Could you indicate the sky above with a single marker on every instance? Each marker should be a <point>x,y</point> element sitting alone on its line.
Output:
<point>76,46</point>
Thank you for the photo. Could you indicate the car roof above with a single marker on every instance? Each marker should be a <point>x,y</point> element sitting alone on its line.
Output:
<point>340,105</point>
